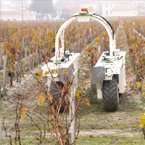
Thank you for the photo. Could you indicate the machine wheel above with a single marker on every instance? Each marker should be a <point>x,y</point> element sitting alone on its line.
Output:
<point>55,91</point>
<point>110,95</point>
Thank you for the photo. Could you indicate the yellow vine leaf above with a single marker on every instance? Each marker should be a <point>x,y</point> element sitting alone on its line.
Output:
<point>39,74</point>
<point>142,121</point>
<point>67,86</point>
<point>143,94</point>
<point>91,51</point>
<point>23,112</point>
<point>65,71</point>
<point>55,71</point>
<point>98,40</point>
<point>41,100</point>
<point>138,84</point>
<point>46,73</point>
<point>78,95</point>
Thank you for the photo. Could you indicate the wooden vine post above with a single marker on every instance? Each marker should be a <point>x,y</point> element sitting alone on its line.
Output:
<point>72,116</point>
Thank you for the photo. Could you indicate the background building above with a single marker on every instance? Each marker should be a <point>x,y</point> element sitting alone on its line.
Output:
<point>18,10</point>
<point>16,14</point>
<point>103,7</point>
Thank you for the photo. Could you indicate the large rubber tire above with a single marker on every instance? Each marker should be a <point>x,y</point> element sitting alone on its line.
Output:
<point>110,95</point>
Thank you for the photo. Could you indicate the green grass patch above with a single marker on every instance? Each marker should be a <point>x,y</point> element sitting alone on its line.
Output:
<point>104,140</point>
<point>110,141</point>
<point>115,120</point>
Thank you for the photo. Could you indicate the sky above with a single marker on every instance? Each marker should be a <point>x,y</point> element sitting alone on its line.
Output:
<point>28,2</point>
<point>62,1</point>
<point>5,3</point>
<point>67,5</point>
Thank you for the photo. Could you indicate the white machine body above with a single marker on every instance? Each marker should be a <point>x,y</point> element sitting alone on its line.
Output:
<point>70,65</point>
<point>108,67</point>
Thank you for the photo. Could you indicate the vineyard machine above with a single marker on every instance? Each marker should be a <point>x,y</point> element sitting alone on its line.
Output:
<point>108,75</point>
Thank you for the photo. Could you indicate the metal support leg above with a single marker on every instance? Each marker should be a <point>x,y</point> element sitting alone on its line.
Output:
<point>99,91</point>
